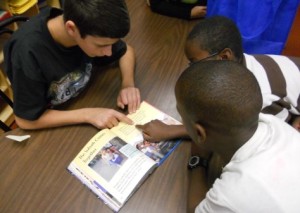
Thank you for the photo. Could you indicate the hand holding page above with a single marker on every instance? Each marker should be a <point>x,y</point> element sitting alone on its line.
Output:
<point>116,161</point>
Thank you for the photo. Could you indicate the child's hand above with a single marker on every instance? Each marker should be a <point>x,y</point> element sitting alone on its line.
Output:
<point>105,118</point>
<point>198,12</point>
<point>129,96</point>
<point>155,131</point>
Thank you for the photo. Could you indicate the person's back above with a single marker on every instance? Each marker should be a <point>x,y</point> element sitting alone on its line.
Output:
<point>278,77</point>
<point>219,102</point>
<point>262,176</point>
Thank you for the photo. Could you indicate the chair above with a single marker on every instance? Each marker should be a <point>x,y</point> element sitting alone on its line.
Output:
<point>5,27</point>
<point>6,99</point>
<point>13,19</point>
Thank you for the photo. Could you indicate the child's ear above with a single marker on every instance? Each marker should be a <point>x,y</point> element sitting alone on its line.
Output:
<point>201,133</point>
<point>226,54</point>
<point>70,27</point>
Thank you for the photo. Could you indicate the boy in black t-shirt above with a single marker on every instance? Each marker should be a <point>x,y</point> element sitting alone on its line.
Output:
<point>49,60</point>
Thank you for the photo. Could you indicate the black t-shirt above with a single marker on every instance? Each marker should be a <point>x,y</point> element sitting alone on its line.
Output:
<point>42,72</point>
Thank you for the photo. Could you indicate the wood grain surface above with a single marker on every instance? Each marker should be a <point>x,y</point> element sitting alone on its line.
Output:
<point>33,175</point>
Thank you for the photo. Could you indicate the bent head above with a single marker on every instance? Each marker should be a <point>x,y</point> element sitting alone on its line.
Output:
<point>217,98</point>
<point>96,24</point>
<point>215,38</point>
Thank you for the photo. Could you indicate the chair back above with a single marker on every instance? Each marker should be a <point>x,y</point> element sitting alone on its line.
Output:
<point>7,26</point>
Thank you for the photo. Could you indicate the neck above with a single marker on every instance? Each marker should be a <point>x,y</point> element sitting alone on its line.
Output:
<point>229,145</point>
<point>59,33</point>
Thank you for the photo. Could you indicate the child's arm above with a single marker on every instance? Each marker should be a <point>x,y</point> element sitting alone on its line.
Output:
<point>197,188</point>
<point>156,131</point>
<point>129,94</point>
<point>99,117</point>
<point>198,12</point>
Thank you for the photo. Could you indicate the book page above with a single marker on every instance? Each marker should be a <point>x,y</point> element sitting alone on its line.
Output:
<point>111,167</point>
<point>144,114</point>
<point>94,144</point>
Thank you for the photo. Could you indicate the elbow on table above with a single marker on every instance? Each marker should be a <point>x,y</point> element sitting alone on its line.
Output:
<point>25,124</point>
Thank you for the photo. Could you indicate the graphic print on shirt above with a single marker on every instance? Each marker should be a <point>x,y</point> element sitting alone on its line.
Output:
<point>70,85</point>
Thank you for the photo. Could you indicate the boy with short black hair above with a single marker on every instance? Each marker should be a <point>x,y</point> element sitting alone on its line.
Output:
<point>50,59</point>
<point>218,38</point>
<point>260,152</point>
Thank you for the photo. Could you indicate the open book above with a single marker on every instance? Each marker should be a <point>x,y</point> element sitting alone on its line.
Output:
<point>116,161</point>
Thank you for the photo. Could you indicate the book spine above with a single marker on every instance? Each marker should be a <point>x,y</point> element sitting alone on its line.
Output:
<point>167,155</point>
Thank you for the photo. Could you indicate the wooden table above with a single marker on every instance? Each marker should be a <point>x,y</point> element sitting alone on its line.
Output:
<point>33,175</point>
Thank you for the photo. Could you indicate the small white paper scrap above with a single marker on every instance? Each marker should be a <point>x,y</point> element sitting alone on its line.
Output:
<point>18,138</point>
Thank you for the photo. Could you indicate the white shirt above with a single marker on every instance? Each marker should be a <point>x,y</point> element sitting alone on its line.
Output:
<point>279,80</point>
<point>262,176</point>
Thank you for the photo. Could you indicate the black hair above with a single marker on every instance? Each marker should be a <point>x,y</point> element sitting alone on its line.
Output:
<point>102,18</point>
<point>220,93</point>
<point>217,33</point>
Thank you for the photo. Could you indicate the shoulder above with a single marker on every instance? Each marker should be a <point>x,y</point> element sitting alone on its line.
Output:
<point>279,62</point>
<point>276,70</point>
<point>221,197</point>
<point>282,132</point>
<point>34,32</point>
<point>237,190</point>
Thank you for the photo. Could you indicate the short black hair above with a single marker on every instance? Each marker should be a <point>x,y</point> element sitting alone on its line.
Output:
<point>216,33</point>
<point>221,94</point>
<point>101,18</point>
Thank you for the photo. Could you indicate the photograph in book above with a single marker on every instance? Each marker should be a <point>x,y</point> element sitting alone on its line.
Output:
<point>156,151</point>
<point>109,159</point>
<point>115,162</point>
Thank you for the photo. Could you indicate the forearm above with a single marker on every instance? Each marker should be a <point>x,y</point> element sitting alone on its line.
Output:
<point>177,131</point>
<point>98,117</point>
<point>127,66</point>
<point>197,187</point>
<point>54,118</point>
